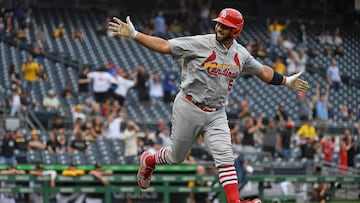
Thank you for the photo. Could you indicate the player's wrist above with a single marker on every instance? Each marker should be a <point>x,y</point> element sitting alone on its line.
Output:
<point>133,34</point>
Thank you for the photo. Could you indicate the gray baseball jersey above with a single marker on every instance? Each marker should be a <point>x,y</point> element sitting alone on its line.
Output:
<point>209,69</point>
<point>208,74</point>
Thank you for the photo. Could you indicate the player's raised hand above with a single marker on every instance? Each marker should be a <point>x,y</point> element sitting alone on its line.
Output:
<point>295,83</point>
<point>120,28</point>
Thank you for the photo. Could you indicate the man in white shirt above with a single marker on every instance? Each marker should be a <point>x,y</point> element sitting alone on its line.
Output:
<point>333,75</point>
<point>102,81</point>
<point>113,125</point>
<point>51,101</point>
<point>124,83</point>
<point>130,139</point>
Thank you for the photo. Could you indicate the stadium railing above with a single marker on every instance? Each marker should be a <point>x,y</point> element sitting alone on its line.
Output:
<point>165,184</point>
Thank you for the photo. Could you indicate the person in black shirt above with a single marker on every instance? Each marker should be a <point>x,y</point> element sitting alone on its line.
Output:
<point>248,134</point>
<point>83,82</point>
<point>78,143</point>
<point>285,140</point>
<point>58,125</point>
<point>21,143</point>
<point>7,149</point>
<point>52,145</point>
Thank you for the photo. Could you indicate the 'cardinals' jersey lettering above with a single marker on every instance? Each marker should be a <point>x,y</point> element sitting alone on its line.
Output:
<point>209,69</point>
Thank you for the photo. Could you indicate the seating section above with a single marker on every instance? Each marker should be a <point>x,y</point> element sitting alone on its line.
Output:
<point>95,51</point>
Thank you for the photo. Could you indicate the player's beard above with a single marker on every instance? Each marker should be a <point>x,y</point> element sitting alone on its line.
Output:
<point>224,39</point>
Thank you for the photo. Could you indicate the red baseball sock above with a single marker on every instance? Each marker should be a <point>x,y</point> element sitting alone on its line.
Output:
<point>160,156</point>
<point>229,182</point>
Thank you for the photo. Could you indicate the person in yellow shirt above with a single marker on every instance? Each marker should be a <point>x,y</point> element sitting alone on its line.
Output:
<point>59,32</point>
<point>279,66</point>
<point>30,71</point>
<point>307,130</point>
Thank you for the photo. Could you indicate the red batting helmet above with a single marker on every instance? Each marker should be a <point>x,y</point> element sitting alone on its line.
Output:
<point>231,18</point>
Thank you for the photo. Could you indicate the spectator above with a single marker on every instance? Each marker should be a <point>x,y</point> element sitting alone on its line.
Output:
<point>308,150</point>
<point>62,141</point>
<point>301,61</point>
<point>68,91</point>
<point>14,77</point>
<point>30,70</point>
<point>113,125</point>
<point>51,101</point>
<point>304,106</point>
<point>21,143</point>
<point>321,107</point>
<point>77,112</point>
<point>312,52</point>
<point>281,113</point>
<point>279,66</point>
<point>307,130</point>
<point>285,140</point>
<point>289,43</point>
<point>343,156</point>
<point>291,62</point>
<point>7,148</point>
<point>80,126</point>
<point>97,173</point>
<point>39,53</point>
<point>39,35</point>
<point>78,144</point>
<point>42,74</point>
<point>164,136</point>
<point>242,170</point>
<point>327,148</point>
<point>333,75</point>
<point>39,171</point>
<point>77,34</point>
<point>97,129</point>
<point>58,125</point>
<point>52,144</point>
<point>130,139</point>
<point>9,197</point>
<point>21,37</point>
<point>249,142</point>
<point>350,147</point>
<point>15,102</point>
<point>34,142</point>
<point>83,82</point>
<point>203,196</point>
<point>275,29</point>
<point>70,197</point>
<point>59,32</point>
<point>319,193</point>
<point>245,106</point>
<point>102,81</point>
<point>171,77</point>
<point>124,83</point>
<point>160,24</point>
<point>270,139</point>
<point>156,87</point>
<point>302,37</point>
<point>142,86</point>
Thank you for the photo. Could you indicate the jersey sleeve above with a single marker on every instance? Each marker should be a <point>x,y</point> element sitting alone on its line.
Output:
<point>183,46</point>
<point>251,65</point>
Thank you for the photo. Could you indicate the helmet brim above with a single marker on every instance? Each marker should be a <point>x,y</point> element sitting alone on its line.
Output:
<point>224,22</point>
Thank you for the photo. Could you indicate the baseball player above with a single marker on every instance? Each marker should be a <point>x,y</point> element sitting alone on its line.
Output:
<point>211,64</point>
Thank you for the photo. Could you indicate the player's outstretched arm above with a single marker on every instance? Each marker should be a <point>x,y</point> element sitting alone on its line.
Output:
<point>293,82</point>
<point>127,30</point>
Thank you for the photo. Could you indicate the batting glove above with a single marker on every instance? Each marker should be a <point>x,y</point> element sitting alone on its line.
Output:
<point>120,28</point>
<point>295,83</point>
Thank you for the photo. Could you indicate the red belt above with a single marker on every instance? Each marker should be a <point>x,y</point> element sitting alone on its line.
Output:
<point>200,105</point>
